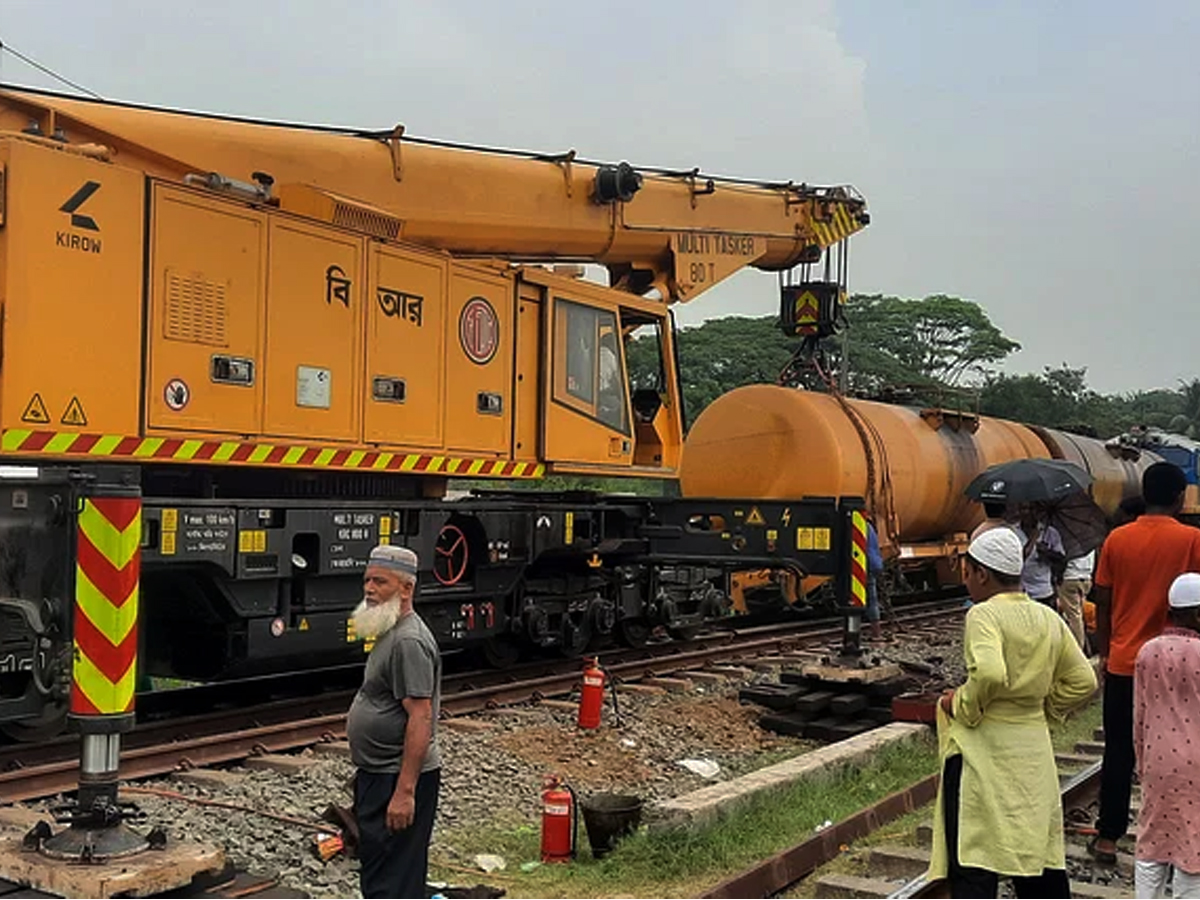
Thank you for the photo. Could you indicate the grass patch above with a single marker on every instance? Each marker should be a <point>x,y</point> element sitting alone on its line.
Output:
<point>684,862</point>
<point>1079,727</point>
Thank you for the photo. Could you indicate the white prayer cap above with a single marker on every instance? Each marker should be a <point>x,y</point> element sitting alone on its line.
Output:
<point>398,559</point>
<point>1185,591</point>
<point>999,549</point>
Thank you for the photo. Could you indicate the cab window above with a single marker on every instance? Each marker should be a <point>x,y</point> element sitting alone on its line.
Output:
<point>581,351</point>
<point>591,372</point>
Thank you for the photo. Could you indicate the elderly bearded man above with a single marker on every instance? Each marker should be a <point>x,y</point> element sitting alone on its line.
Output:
<point>392,730</point>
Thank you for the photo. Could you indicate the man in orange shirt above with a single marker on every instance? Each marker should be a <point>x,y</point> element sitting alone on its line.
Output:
<point>1138,563</point>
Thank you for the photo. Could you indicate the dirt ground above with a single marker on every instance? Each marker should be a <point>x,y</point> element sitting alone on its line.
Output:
<point>647,747</point>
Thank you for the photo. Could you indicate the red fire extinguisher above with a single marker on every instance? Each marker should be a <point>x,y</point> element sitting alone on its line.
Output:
<point>591,695</point>
<point>559,820</point>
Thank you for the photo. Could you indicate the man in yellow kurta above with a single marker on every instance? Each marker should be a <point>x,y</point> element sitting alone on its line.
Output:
<point>998,810</point>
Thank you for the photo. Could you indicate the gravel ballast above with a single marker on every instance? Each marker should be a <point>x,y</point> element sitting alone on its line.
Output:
<point>490,779</point>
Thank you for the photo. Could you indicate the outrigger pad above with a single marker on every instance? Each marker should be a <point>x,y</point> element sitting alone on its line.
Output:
<point>141,875</point>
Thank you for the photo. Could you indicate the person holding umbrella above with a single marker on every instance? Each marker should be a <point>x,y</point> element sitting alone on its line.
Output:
<point>1043,549</point>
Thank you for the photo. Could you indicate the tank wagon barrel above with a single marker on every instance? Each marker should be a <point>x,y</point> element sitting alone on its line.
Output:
<point>911,464</point>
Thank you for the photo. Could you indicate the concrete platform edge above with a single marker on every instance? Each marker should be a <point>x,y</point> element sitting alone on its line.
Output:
<point>708,804</point>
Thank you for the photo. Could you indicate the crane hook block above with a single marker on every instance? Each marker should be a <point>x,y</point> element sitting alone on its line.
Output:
<point>810,309</point>
<point>619,182</point>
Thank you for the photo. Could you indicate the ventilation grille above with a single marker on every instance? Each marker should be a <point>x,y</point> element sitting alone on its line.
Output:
<point>356,218</point>
<point>195,310</point>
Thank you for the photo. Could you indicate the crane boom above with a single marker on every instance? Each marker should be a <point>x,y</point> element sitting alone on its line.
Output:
<point>678,232</point>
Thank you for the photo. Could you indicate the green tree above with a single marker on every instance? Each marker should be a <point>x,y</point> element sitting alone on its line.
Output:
<point>939,340</point>
<point>1057,398</point>
<point>1060,398</point>
<point>1187,421</point>
<point>929,345</point>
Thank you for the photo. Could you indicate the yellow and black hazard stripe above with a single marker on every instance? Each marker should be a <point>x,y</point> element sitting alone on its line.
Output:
<point>109,535</point>
<point>858,559</point>
<point>135,449</point>
<point>836,226</point>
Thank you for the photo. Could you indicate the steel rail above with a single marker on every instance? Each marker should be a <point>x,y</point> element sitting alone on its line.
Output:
<point>158,748</point>
<point>1076,791</point>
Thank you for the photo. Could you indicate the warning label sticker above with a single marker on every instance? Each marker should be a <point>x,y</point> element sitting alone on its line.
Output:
<point>74,414</point>
<point>35,411</point>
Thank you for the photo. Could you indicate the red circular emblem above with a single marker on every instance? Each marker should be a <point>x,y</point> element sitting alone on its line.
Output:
<point>479,330</point>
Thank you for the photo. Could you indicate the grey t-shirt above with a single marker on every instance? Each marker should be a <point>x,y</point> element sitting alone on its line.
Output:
<point>405,662</point>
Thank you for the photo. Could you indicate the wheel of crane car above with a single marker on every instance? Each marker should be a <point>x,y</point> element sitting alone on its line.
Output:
<point>575,637</point>
<point>502,651</point>
<point>633,632</point>
<point>685,633</point>
<point>50,723</point>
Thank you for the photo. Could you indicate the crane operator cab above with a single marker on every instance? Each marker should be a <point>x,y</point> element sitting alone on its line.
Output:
<point>612,397</point>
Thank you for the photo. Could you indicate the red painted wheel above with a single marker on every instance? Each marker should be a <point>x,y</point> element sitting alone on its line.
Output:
<point>451,555</point>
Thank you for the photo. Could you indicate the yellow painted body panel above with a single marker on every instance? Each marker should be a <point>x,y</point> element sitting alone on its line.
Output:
<point>480,319</point>
<point>207,283</point>
<point>527,399</point>
<point>406,340</point>
<point>71,354</point>
<point>316,302</point>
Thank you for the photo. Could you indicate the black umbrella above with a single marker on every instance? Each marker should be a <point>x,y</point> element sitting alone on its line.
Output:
<point>1080,523</point>
<point>1028,481</point>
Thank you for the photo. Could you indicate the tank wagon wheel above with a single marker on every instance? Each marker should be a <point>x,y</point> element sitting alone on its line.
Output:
<point>50,723</point>
<point>576,636</point>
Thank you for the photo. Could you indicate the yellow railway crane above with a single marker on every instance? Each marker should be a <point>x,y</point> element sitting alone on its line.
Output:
<point>237,355</point>
<point>195,289</point>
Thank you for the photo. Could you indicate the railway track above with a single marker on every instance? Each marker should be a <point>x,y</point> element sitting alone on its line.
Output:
<point>898,870</point>
<point>34,771</point>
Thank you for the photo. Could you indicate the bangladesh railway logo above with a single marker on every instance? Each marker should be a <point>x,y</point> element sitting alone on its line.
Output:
<point>479,331</point>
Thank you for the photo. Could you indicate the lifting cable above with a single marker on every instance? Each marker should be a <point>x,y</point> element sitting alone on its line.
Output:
<point>46,71</point>
<point>880,497</point>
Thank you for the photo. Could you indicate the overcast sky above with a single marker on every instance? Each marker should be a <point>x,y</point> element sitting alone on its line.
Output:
<point>1039,158</point>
